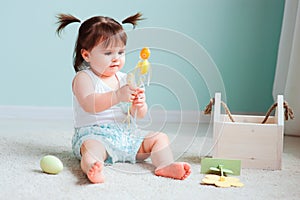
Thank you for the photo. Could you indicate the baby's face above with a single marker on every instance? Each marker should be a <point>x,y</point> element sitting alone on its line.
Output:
<point>106,61</point>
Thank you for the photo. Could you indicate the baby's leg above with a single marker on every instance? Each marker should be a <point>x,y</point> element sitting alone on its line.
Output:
<point>157,145</point>
<point>93,155</point>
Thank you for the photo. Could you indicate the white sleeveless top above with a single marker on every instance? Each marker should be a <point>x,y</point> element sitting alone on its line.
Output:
<point>115,114</point>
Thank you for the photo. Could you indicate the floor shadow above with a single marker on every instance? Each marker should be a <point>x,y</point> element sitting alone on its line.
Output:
<point>73,165</point>
<point>190,159</point>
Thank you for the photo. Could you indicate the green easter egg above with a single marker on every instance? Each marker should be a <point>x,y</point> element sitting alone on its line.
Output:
<point>51,164</point>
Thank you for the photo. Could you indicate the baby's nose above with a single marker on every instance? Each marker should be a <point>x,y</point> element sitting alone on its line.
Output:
<point>115,57</point>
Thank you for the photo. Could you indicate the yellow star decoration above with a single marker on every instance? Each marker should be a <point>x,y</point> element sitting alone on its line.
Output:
<point>221,181</point>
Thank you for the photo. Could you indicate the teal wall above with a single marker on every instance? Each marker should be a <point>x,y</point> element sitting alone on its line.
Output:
<point>241,36</point>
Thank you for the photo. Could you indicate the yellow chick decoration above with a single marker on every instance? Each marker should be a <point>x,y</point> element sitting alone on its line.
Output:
<point>143,68</point>
<point>139,76</point>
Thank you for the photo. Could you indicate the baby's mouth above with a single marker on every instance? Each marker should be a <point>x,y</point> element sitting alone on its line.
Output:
<point>113,66</point>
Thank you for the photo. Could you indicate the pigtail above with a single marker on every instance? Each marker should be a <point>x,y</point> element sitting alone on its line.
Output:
<point>63,21</point>
<point>133,19</point>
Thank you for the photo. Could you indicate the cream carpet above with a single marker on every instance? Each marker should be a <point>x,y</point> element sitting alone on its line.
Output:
<point>23,143</point>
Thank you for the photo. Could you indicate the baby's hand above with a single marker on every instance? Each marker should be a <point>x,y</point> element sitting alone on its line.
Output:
<point>126,94</point>
<point>140,98</point>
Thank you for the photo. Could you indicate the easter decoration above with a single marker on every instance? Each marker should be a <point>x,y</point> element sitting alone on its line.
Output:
<point>143,69</point>
<point>221,181</point>
<point>51,164</point>
<point>140,76</point>
<point>214,165</point>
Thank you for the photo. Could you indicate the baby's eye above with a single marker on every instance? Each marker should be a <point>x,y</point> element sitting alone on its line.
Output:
<point>121,52</point>
<point>107,53</point>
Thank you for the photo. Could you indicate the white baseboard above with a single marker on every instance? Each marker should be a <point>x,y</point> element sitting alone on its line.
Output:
<point>175,116</point>
<point>35,112</point>
<point>56,113</point>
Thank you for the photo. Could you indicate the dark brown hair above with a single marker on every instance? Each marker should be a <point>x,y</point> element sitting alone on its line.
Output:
<point>94,30</point>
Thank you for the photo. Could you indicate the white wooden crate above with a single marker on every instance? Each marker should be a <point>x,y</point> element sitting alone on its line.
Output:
<point>258,146</point>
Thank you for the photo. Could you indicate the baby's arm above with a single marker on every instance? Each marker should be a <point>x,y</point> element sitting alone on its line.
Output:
<point>93,102</point>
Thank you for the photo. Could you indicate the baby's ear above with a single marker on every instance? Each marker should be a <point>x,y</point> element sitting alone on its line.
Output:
<point>85,54</point>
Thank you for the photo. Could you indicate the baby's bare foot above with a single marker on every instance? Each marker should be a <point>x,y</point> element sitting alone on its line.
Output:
<point>176,170</point>
<point>95,173</point>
